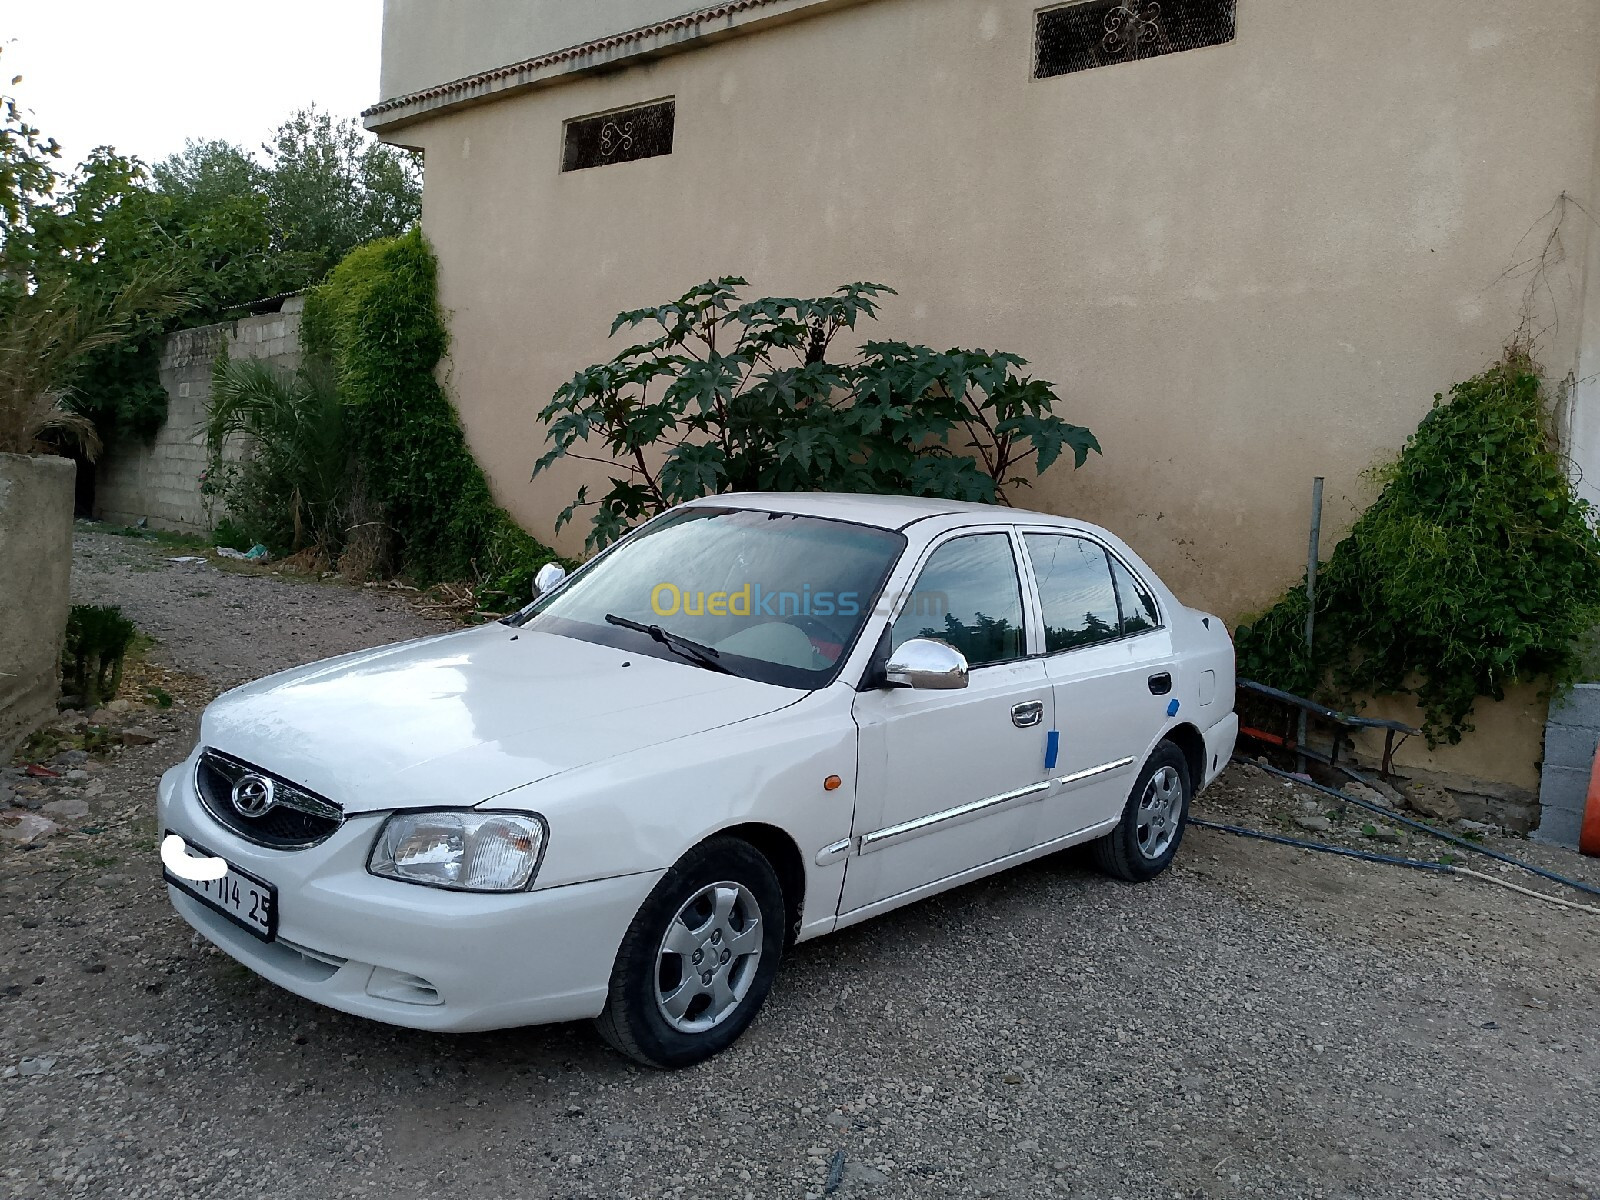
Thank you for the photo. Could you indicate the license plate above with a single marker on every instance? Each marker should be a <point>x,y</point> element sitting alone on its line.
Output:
<point>249,902</point>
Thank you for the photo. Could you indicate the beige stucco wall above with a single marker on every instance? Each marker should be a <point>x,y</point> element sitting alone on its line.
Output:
<point>1243,266</point>
<point>1583,417</point>
<point>1506,743</point>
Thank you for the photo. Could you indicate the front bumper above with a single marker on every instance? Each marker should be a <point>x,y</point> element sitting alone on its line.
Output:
<point>405,954</point>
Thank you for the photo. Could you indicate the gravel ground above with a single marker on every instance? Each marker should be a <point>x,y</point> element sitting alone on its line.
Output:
<point>1260,1021</point>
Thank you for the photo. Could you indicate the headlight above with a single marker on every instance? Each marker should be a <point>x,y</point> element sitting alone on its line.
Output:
<point>467,851</point>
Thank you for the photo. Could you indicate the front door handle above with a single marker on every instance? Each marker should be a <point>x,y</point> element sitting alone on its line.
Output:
<point>1160,684</point>
<point>1027,714</point>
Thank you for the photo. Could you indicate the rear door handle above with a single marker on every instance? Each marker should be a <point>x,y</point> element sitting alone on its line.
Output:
<point>1027,714</point>
<point>1160,684</point>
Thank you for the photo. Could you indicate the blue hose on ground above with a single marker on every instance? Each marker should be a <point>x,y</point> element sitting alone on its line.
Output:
<point>1391,815</point>
<point>1363,855</point>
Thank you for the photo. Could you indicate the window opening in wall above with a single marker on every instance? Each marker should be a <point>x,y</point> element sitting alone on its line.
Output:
<point>625,135</point>
<point>1102,33</point>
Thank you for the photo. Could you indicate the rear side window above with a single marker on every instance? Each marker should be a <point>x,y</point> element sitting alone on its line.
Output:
<point>1139,612</point>
<point>1076,591</point>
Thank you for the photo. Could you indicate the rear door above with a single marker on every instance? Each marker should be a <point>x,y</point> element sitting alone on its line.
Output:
<point>1110,662</point>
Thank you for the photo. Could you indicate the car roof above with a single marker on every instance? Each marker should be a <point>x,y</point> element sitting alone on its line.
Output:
<point>885,512</point>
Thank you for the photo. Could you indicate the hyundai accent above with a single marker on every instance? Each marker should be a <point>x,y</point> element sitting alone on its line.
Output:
<point>756,720</point>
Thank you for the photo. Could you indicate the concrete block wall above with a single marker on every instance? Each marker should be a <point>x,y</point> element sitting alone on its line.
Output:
<point>160,481</point>
<point>1570,740</point>
<point>35,573</point>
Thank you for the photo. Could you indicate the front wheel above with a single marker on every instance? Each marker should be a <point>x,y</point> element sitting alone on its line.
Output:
<point>1146,839</point>
<point>699,959</point>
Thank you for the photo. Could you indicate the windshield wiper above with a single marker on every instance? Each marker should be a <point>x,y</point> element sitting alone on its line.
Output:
<point>705,656</point>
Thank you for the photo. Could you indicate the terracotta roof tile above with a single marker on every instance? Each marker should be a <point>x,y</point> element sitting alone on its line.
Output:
<point>459,86</point>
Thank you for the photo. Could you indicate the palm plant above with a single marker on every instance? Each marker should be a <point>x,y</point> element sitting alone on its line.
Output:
<point>44,334</point>
<point>290,489</point>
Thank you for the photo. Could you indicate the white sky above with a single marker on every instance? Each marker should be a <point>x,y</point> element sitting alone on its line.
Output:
<point>144,75</point>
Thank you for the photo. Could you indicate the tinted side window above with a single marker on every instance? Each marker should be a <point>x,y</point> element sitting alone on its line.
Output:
<point>968,595</point>
<point>1139,612</point>
<point>1075,590</point>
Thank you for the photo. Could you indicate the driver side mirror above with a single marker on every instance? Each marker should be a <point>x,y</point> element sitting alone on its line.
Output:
<point>550,576</point>
<point>928,664</point>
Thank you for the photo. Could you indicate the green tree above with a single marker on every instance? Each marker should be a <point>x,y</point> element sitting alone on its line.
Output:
<point>210,200</point>
<point>56,233</point>
<point>330,188</point>
<point>742,396</point>
<point>105,242</point>
<point>215,225</point>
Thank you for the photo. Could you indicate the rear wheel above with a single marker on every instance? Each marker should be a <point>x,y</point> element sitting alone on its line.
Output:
<point>1146,839</point>
<point>699,959</point>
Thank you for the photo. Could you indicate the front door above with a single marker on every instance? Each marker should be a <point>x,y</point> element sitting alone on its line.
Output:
<point>948,778</point>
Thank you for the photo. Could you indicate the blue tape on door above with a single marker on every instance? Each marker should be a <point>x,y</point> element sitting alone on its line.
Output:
<point>1172,709</point>
<point>1052,748</point>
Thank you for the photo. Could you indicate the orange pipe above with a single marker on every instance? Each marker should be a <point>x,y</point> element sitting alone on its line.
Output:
<point>1589,833</point>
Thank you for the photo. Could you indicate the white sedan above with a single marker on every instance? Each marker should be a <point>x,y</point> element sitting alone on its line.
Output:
<point>756,720</point>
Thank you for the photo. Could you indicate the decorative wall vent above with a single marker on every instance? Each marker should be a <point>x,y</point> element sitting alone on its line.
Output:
<point>1101,33</point>
<point>616,137</point>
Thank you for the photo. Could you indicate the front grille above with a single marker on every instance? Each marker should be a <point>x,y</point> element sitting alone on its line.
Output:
<point>295,820</point>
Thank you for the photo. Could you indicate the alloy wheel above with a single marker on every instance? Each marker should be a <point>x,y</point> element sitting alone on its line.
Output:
<point>708,957</point>
<point>1160,811</point>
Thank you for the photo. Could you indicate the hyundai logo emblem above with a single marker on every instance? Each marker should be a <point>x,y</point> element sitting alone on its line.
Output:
<point>253,795</point>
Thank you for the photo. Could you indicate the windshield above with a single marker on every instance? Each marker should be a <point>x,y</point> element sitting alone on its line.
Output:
<point>775,597</point>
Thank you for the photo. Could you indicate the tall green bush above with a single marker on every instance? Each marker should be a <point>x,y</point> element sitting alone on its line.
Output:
<point>1477,566</point>
<point>377,321</point>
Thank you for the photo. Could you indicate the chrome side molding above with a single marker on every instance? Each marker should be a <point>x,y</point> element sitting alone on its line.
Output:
<point>951,817</point>
<point>961,814</point>
<point>1103,768</point>
<point>835,852</point>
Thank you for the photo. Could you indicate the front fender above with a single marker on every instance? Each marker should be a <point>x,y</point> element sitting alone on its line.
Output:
<point>641,811</point>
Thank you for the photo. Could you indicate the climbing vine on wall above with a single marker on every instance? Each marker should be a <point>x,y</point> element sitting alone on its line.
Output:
<point>1477,566</point>
<point>377,322</point>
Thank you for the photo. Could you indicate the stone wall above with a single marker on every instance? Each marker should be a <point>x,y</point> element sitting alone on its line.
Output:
<point>160,481</point>
<point>1570,740</point>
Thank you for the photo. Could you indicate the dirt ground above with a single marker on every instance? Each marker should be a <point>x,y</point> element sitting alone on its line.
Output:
<point>1262,1020</point>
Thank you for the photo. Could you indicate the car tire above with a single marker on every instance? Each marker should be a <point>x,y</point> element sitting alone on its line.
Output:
<point>1151,829</point>
<point>699,958</point>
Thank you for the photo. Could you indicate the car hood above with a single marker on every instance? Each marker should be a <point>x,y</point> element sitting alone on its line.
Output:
<point>462,718</point>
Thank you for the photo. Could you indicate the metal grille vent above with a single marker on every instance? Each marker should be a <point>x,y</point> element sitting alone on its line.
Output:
<point>296,819</point>
<point>1102,33</point>
<point>617,137</point>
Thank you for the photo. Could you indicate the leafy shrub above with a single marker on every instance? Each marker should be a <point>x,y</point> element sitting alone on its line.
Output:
<point>735,396</point>
<point>291,490</point>
<point>1477,566</point>
<point>97,642</point>
<point>377,321</point>
<point>230,535</point>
